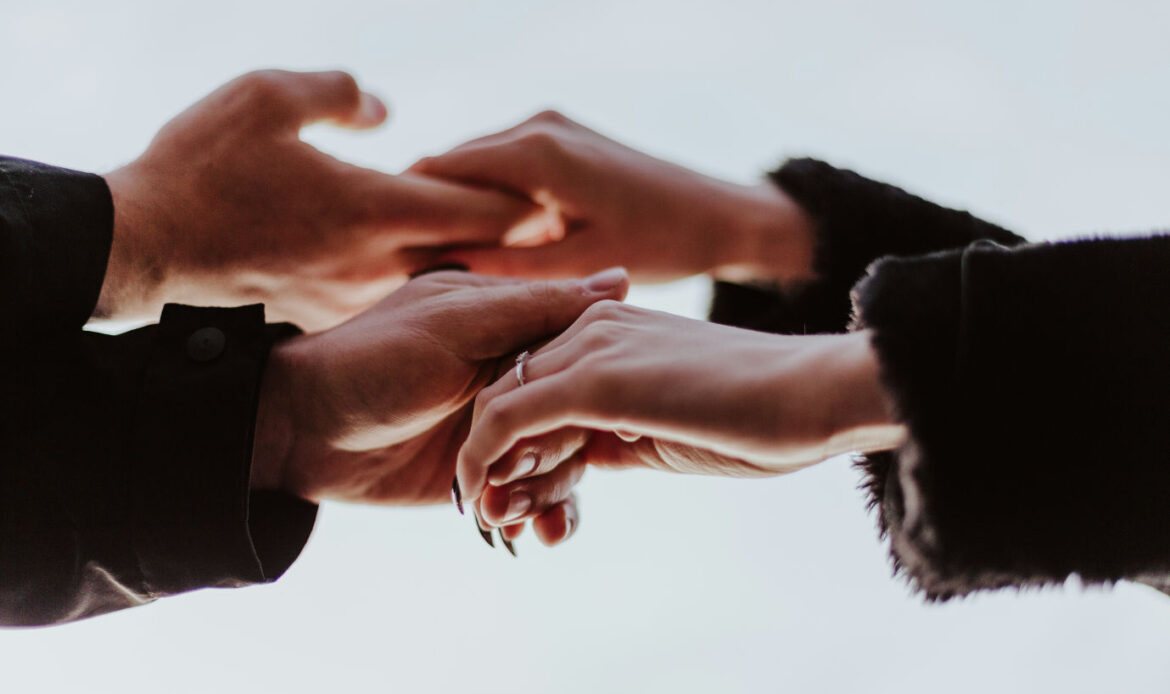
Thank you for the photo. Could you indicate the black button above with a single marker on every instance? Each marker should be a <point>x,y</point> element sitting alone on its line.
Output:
<point>206,344</point>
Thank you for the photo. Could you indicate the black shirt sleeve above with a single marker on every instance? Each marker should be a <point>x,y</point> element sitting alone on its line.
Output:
<point>124,460</point>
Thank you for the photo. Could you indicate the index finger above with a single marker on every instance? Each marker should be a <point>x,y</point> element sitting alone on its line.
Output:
<point>427,212</point>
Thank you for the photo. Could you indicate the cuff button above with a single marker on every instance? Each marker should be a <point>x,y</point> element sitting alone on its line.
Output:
<point>206,344</point>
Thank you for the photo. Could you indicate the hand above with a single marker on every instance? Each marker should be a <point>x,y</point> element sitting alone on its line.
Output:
<point>228,206</point>
<point>629,387</point>
<point>611,205</point>
<point>374,410</point>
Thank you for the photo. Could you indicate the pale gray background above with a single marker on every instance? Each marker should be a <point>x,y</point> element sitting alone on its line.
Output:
<point>1049,117</point>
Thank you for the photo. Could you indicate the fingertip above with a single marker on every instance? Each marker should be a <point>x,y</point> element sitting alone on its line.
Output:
<point>422,166</point>
<point>555,525</point>
<point>614,280</point>
<point>371,111</point>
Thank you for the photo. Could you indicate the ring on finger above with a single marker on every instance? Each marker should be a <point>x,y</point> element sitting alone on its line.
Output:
<point>521,363</point>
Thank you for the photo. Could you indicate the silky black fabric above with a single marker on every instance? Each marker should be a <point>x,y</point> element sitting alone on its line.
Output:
<point>124,462</point>
<point>1033,379</point>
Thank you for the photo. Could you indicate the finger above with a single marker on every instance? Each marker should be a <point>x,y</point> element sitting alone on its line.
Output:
<point>533,368</point>
<point>529,497</point>
<point>300,98</point>
<point>558,523</point>
<point>505,319</point>
<point>573,256</point>
<point>333,96</point>
<point>533,457</point>
<point>538,408</point>
<point>426,212</point>
<point>555,356</point>
<point>515,163</point>
<point>546,118</point>
<point>511,532</point>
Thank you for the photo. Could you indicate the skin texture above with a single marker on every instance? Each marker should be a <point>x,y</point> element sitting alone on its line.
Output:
<point>628,387</point>
<point>374,410</point>
<point>606,204</point>
<point>228,206</point>
<point>625,387</point>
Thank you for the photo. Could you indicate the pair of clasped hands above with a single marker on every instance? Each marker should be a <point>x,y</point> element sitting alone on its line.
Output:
<point>399,385</point>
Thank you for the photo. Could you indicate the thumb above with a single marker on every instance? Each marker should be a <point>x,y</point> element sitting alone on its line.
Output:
<point>300,98</point>
<point>510,317</point>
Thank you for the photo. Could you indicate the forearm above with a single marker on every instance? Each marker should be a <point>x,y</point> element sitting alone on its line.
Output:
<point>137,268</point>
<point>861,407</point>
<point>766,236</point>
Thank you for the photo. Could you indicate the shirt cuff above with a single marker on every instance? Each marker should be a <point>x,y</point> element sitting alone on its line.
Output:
<point>195,522</point>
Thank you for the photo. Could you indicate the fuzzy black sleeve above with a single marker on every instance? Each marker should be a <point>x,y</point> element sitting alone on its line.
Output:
<point>857,220</point>
<point>124,460</point>
<point>1036,388</point>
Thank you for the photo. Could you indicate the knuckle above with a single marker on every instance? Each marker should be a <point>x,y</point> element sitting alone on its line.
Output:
<point>594,338</point>
<point>606,309</point>
<point>345,84</point>
<point>482,399</point>
<point>541,141</point>
<point>497,414</point>
<point>264,87</point>
<point>542,293</point>
<point>549,115</point>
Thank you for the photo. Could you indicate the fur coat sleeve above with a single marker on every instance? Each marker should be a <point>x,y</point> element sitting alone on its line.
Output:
<point>1032,377</point>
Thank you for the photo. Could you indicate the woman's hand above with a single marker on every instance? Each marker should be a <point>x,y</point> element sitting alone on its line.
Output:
<point>229,206</point>
<point>375,409</point>
<point>629,387</point>
<point>609,205</point>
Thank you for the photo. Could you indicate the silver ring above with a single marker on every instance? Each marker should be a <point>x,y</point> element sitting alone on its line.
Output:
<point>521,361</point>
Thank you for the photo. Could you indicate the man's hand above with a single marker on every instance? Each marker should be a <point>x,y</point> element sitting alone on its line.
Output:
<point>229,206</point>
<point>375,410</point>
<point>612,205</point>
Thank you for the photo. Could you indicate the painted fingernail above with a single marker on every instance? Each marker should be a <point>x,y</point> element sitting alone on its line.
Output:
<point>456,495</point>
<point>507,543</point>
<point>485,534</point>
<point>518,505</point>
<point>605,280</point>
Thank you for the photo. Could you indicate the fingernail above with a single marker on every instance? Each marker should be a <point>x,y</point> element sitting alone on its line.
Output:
<point>526,464</point>
<point>518,505</point>
<point>456,495</point>
<point>569,524</point>
<point>507,543</point>
<point>605,280</point>
<point>371,108</point>
<point>485,534</point>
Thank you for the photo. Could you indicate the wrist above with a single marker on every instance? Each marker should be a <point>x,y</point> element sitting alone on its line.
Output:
<point>770,238</point>
<point>273,441</point>
<point>135,270</point>
<point>863,414</point>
